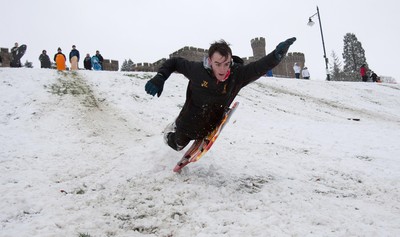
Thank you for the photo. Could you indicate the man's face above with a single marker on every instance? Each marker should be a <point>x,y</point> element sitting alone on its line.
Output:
<point>220,65</point>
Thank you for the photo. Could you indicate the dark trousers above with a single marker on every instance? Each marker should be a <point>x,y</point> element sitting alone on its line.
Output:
<point>364,78</point>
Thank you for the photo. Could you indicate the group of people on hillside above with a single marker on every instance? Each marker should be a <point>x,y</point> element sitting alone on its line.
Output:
<point>304,73</point>
<point>95,62</point>
<point>365,74</point>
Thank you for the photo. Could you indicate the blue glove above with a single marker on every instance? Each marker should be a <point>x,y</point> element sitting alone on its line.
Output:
<point>155,85</point>
<point>283,47</point>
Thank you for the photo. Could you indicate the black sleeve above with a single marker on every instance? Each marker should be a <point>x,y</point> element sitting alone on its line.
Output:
<point>179,65</point>
<point>257,69</point>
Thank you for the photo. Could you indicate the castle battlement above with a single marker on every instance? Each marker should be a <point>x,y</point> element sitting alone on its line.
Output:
<point>258,39</point>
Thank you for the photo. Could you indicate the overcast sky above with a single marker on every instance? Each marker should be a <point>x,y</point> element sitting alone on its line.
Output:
<point>148,30</point>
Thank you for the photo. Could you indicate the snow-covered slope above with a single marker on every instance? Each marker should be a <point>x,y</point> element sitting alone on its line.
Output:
<point>82,153</point>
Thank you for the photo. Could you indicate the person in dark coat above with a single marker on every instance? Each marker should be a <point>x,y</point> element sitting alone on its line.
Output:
<point>101,59</point>
<point>87,62</point>
<point>14,52</point>
<point>374,76</point>
<point>44,60</point>
<point>213,85</point>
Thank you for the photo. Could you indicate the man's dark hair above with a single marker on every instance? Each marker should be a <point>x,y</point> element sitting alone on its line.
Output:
<point>221,47</point>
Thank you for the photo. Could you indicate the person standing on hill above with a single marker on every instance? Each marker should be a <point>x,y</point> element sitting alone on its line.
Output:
<point>14,61</point>
<point>374,77</point>
<point>296,69</point>
<point>44,60</point>
<point>305,73</point>
<point>74,58</point>
<point>101,59</point>
<point>213,85</point>
<point>363,73</point>
<point>60,60</point>
<point>87,62</point>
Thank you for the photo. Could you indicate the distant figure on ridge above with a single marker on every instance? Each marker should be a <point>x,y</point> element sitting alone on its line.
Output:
<point>101,59</point>
<point>305,73</point>
<point>296,69</point>
<point>16,54</point>
<point>44,60</point>
<point>74,58</point>
<point>374,77</point>
<point>96,63</point>
<point>87,62</point>
<point>363,73</point>
<point>60,60</point>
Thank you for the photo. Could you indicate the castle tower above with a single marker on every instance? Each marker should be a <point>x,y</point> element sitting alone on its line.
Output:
<point>258,46</point>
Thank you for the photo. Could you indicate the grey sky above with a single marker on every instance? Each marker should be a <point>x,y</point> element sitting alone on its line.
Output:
<point>147,30</point>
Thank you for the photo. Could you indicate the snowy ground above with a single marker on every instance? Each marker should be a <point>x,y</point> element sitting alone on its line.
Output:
<point>82,153</point>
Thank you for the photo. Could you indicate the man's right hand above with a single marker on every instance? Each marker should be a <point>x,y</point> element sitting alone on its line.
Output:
<point>155,85</point>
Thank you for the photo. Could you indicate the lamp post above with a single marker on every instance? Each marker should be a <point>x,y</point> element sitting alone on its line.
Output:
<point>311,23</point>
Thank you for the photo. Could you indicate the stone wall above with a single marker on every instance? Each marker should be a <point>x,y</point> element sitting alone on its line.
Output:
<point>110,65</point>
<point>258,45</point>
<point>5,57</point>
<point>190,53</point>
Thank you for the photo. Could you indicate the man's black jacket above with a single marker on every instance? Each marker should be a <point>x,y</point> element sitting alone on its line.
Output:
<point>206,97</point>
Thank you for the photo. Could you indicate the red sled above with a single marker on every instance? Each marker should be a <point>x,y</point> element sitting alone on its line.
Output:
<point>201,146</point>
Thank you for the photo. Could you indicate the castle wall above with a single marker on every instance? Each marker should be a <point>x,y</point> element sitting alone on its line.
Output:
<point>110,65</point>
<point>5,57</point>
<point>190,53</point>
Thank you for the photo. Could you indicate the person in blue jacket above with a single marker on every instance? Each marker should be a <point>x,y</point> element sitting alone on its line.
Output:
<point>96,63</point>
<point>74,52</point>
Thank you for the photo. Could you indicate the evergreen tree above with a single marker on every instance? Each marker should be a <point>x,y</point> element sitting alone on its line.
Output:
<point>336,72</point>
<point>130,65</point>
<point>127,65</point>
<point>353,56</point>
<point>124,66</point>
